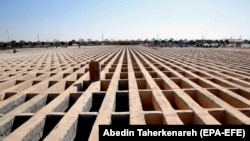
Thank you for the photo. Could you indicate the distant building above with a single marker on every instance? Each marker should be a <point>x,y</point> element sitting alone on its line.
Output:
<point>235,42</point>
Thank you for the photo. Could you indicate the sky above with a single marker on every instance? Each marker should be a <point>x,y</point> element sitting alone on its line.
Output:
<point>64,20</point>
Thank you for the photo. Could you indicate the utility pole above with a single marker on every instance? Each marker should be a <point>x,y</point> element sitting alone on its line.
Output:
<point>8,35</point>
<point>176,35</point>
<point>38,37</point>
<point>202,39</point>
<point>58,34</point>
<point>102,35</point>
<point>142,34</point>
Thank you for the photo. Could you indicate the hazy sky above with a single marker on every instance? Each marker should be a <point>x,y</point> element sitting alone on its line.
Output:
<point>123,19</point>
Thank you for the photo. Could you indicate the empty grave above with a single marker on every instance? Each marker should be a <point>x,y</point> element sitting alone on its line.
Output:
<point>181,83</point>
<point>84,126</point>
<point>228,99</point>
<point>109,75</point>
<point>154,119</point>
<point>50,123</point>
<point>139,75</point>
<point>162,84</point>
<point>154,75</point>
<point>123,75</point>
<point>105,85</point>
<point>201,83</point>
<point>201,99</point>
<point>142,84</point>
<point>176,102</point>
<point>190,118</point>
<point>246,112</point>
<point>19,120</point>
<point>219,82</point>
<point>97,99</point>
<point>148,101</point>
<point>120,119</point>
<point>224,117</point>
<point>123,85</point>
<point>122,102</point>
<point>73,97</point>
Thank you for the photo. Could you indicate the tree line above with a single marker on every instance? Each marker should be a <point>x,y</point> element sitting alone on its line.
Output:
<point>89,42</point>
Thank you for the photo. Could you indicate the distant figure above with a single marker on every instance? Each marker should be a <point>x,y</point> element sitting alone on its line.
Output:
<point>79,45</point>
<point>14,50</point>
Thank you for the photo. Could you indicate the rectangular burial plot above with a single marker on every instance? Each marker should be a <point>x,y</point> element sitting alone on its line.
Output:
<point>148,101</point>
<point>120,119</point>
<point>139,75</point>
<point>84,126</point>
<point>201,99</point>
<point>232,74</point>
<point>181,83</point>
<point>124,69</point>
<point>242,93</point>
<point>28,97</point>
<point>239,83</point>
<point>19,120</point>
<point>135,65</point>
<point>149,69</point>
<point>228,98</point>
<point>246,80</point>
<point>85,85</point>
<point>50,122</point>
<point>161,68</point>
<point>73,97</point>
<point>136,69</point>
<point>19,81</point>
<point>224,117</point>
<point>40,104</point>
<point>111,69</point>
<point>200,74</point>
<point>51,83</point>
<point>122,102</point>
<point>9,94</point>
<point>169,74</point>
<point>114,66</point>
<point>142,84</point>
<point>185,74</point>
<point>154,74</point>
<point>51,97</point>
<point>35,82</point>
<point>105,85</point>
<point>190,118</point>
<point>123,85</point>
<point>79,75</point>
<point>68,84</point>
<point>123,75</point>
<point>154,119</point>
<point>219,82</point>
<point>109,75</point>
<point>124,66</point>
<point>162,84</point>
<point>66,74</point>
<point>97,99</point>
<point>175,68</point>
<point>246,112</point>
<point>176,102</point>
<point>201,83</point>
<point>103,66</point>
<point>145,65</point>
